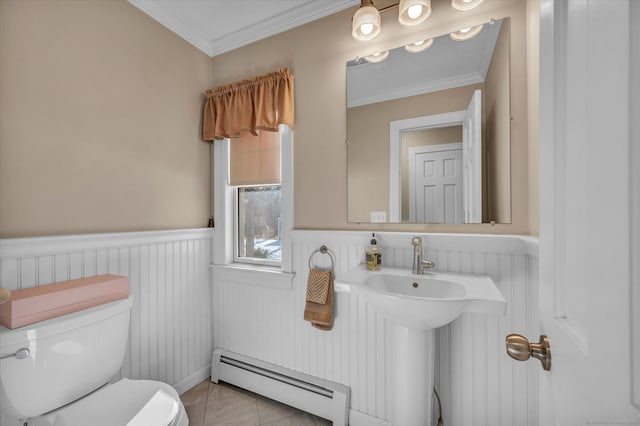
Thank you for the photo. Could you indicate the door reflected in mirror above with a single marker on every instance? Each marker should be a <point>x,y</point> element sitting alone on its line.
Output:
<point>440,170</point>
<point>429,132</point>
<point>432,176</point>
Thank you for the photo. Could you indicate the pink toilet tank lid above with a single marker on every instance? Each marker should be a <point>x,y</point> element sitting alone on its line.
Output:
<point>36,304</point>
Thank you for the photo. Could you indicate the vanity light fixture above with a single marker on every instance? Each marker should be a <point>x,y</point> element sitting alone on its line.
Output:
<point>377,57</point>
<point>418,46</point>
<point>466,33</point>
<point>464,5</point>
<point>365,24</point>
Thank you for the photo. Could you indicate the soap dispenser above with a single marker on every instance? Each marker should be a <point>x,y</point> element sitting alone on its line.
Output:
<point>374,255</point>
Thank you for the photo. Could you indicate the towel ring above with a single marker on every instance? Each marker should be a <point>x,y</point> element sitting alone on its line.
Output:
<point>323,249</point>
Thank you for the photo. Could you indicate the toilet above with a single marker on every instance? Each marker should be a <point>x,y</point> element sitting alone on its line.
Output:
<point>59,371</point>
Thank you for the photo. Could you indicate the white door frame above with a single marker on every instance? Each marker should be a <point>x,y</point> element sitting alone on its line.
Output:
<point>396,128</point>
<point>472,160</point>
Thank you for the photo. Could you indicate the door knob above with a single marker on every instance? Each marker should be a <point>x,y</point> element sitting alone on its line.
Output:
<point>519,348</point>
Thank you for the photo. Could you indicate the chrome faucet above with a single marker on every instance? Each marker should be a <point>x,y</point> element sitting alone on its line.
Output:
<point>419,265</point>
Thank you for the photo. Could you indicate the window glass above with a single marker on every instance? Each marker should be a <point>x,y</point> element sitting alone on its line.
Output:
<point>259,222</point>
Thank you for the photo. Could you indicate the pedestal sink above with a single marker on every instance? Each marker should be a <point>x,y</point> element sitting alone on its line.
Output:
<point>417,304</point>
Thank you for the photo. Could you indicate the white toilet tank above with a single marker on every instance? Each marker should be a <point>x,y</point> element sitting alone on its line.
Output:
<point>69,357</point>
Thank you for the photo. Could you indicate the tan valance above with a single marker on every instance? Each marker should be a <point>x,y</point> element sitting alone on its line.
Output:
<point>259,103</point>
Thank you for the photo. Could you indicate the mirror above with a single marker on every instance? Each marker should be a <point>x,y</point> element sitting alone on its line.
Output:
<point>429,132</point>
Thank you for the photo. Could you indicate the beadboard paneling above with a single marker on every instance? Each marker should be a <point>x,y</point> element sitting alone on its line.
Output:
<point>170,332</point>
<point>176,313</point>
<point>477,382</point>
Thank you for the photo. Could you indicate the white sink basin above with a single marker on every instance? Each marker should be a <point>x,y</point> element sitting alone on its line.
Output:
<point>425,301</point>
<point>419,286</point>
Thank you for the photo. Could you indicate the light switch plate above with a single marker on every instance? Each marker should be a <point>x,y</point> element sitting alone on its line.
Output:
<point>378,217</point>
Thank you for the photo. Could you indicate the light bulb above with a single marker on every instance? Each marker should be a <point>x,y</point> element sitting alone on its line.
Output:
<point>464,5</point>
<point>377,57</point>
<point>466,33</point>
<point>418,46</point>
<point>366,29</point>
<point>415,11</point>
<point>366,22</point>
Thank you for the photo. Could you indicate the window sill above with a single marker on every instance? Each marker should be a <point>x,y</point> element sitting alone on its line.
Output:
<point>261,276</point>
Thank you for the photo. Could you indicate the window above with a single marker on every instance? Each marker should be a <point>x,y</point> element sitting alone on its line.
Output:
<point>254,205</point>
<point>255,176</point>
<point>263,102</point>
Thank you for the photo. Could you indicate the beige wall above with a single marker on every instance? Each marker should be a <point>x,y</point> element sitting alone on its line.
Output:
<point>368,147</point>
<point>497,135</point>
<point>317,53</point>
<point>100,112</point>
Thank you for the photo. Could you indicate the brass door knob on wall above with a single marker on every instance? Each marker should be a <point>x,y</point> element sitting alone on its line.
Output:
<point>519,348</point>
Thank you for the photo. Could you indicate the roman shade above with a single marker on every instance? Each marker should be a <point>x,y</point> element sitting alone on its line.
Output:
<point>255,160</point>
<point>250,105</point>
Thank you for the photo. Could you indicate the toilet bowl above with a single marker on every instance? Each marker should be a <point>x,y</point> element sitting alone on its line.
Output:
<point>64,379</point>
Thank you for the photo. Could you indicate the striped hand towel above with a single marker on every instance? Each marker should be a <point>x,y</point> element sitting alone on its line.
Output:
<point>319,287</point>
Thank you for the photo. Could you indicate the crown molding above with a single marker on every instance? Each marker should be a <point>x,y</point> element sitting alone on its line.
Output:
<point>295,17</point>
<point>156,12</point>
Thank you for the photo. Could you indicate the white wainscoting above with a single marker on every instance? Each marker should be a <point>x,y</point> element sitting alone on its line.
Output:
<point>478,383</point>
<point>170,337</point>
<point>177,311</point>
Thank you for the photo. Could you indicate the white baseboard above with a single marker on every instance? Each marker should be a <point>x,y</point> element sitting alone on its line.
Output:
<point>190,381</point>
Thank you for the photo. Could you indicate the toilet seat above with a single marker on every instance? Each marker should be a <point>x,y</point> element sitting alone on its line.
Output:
<point>117,404</point>
<point>160,410</point>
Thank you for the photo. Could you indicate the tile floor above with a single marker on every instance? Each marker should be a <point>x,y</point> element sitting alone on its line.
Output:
<point>209,404</point>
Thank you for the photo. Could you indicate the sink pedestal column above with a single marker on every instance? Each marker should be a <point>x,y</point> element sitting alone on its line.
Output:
<point>413,376</point>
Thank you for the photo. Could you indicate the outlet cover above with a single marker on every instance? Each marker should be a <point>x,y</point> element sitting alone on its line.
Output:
<point>378,217</point>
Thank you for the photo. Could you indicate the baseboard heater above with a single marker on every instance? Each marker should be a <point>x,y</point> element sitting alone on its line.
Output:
<point>317,396</point>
